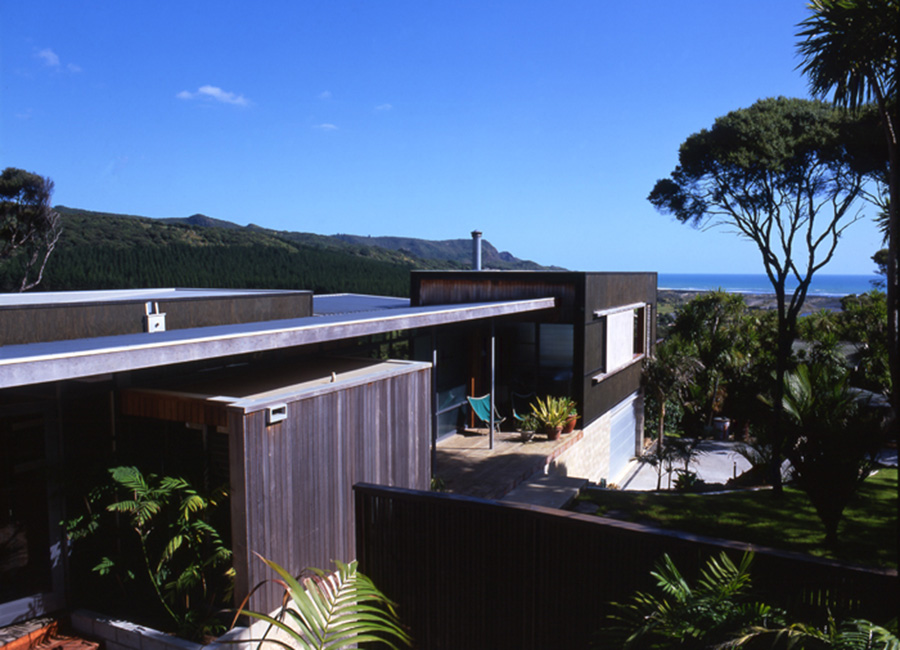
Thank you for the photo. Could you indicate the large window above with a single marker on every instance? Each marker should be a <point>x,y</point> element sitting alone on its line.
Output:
<point>617,338</point>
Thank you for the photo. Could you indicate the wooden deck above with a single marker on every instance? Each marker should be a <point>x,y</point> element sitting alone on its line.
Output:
<point>466,466</point>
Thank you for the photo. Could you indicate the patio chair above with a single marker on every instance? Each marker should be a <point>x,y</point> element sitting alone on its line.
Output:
<point>481,406</point>
<point>521,405</point>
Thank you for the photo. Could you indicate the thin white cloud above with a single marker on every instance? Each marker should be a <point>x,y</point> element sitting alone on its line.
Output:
<point>325,94</point>
<point>383,107</point>
<point>49,57</point>
<point>51,60</point>
<point>214,93</point>
<point>326,127</point>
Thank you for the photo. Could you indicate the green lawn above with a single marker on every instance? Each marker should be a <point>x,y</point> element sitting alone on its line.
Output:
<point>868,531</point>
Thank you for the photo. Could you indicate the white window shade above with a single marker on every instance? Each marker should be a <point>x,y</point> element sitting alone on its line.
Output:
<point>620,340</point>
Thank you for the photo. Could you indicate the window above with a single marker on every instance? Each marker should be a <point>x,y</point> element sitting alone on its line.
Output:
<point>622,337</point>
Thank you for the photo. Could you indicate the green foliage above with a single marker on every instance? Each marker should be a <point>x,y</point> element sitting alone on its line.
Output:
<point>177,552</point>
<point>108,251</point>
<point>551,411</point>
<point>833,438</point>
<point>337,610</point>
<point>29,228</point>
<point>713,610</point>
<point>856,634</point>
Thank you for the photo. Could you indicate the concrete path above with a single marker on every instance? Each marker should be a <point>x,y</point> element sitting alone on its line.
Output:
<point>717,462</point>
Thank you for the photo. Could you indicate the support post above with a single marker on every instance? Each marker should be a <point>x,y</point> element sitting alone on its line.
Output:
<point>493,377</point>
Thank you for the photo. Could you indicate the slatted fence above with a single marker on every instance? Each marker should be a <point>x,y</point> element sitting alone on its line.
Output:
<point>469,573</point>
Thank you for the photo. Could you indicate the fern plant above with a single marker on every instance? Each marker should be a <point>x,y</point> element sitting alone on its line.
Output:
<point>333,611</point>
<point>703,615</point>
<point>181,556</point>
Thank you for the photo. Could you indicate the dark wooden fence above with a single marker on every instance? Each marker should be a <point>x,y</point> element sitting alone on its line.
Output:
<point>468,573</point>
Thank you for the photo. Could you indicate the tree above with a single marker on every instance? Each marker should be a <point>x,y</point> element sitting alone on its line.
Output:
<point>780,175</point>
<point>714,323</point>
<point>28,225</point>
<point>849,49</point>
<point>668,373</point>
<point>833,439</point>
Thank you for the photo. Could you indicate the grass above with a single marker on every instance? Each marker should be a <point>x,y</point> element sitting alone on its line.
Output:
<point>867,534</point>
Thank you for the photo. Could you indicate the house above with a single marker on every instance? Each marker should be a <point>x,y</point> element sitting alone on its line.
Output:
<point>283,395</point>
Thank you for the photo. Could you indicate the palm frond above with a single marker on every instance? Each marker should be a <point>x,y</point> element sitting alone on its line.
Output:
<point>337,610</point>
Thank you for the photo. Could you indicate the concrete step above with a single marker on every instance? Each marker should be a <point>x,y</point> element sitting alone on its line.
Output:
<point>547,490</point>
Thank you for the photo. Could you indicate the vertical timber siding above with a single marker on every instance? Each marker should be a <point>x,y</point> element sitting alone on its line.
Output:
<point>469,573</point>
<point>293,502</point>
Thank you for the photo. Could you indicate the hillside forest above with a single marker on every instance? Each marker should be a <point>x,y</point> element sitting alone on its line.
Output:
<point>110,251</point>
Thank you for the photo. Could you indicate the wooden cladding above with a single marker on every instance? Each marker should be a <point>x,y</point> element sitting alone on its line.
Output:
<point>292,498</point>
<point>467,573</point>
<point>172,407</point>
<point>59,322</point>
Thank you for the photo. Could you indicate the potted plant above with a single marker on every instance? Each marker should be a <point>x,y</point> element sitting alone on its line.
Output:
<point>552,413</point>
<point>527,426</point>
<point>572,418</point>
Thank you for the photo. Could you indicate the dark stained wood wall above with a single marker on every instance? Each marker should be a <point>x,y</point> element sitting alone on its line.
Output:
<point>292,497</point>
<point>459,287</point>
<point>41,323</point>
<point>578,295</point>
<point>469,573</point>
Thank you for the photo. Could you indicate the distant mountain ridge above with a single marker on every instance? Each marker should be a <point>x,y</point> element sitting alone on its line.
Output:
<point>458,251</point>
<point>113,251</point>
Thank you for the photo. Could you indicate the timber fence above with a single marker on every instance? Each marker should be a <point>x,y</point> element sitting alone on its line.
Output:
<point>470,573</point>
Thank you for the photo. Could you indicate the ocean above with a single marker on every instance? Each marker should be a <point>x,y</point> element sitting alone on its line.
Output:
<point>822,285</point>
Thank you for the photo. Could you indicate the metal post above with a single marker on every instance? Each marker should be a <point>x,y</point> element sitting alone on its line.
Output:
<point>434,401</point>
<point>493,377</point>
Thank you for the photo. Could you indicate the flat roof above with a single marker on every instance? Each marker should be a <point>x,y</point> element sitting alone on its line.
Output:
<point>255,388</point>
<point>21,365</point>
<point>348,303</point>
<point>60,298</point>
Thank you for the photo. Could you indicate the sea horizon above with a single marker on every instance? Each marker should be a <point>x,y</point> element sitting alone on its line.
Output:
<point>758,283</point>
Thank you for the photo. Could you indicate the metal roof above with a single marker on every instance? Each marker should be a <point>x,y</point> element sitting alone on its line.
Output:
<point>21,365</point>
<point>59,298</point>
<point>348,303</point>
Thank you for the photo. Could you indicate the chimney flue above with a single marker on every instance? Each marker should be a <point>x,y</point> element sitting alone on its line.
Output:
<point>476,250</point>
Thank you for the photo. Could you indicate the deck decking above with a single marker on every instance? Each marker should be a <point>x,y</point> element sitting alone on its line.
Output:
<point>467,466</point>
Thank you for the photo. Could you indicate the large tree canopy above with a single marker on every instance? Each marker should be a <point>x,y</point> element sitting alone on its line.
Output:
<point>779,174</point>
<point>29,227</point>
<point>849,48</point>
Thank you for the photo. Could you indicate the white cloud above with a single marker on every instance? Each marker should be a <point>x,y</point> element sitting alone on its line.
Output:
<point>51,60</point>
<point>325,94</point>
<point>326,127</point>
<point>215,93</point>
<point>383,107</point>
<point>49,57</point>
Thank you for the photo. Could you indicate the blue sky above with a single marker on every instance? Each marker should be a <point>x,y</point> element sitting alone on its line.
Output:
<point>543,124</point>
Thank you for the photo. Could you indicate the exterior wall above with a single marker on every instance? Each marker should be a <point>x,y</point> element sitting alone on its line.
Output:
<point>21,324</point>
<point>292,499</point>
<point>589,457</point>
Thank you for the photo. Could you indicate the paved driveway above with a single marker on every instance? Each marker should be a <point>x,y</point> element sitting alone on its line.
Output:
<point>717,463</point>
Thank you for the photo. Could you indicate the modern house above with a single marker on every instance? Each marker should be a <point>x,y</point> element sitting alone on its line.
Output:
<point>290,399</point>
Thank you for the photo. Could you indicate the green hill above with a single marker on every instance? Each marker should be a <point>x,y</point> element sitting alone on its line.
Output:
<point>112,251</point>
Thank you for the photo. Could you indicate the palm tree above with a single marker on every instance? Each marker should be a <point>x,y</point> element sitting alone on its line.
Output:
<point>669,373</point>
<point>832,440</point>
<point>849,47</point>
